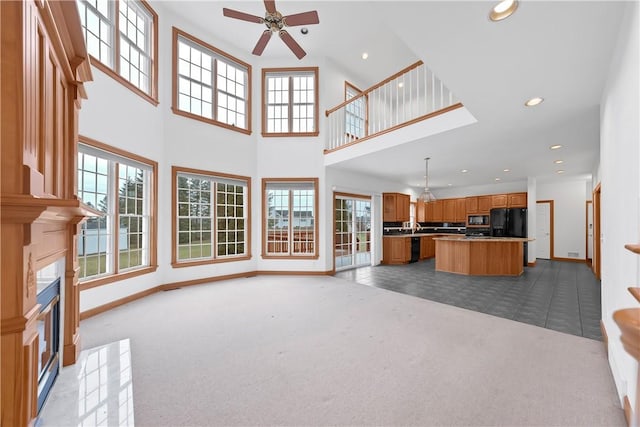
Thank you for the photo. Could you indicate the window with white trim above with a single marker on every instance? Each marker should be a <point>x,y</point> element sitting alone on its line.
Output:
<point>290,102</point>
<point>290,213</point>
<point>210,84</point>
<point>355,113</point>
<point>120,188</point>
<point>134,23</point>
<point>212,216</point>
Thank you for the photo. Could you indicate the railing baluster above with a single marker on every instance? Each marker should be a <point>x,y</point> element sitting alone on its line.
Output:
<point>380,107</point>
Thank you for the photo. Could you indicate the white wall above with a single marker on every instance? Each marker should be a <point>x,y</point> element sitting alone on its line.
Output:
<point>569,216</point>
<point>620,213</point>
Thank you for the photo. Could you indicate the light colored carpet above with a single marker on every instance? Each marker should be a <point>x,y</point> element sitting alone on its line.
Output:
<point>325,351</point>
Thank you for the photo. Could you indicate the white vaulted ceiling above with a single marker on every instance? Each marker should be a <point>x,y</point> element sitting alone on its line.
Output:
<point>557,50</point>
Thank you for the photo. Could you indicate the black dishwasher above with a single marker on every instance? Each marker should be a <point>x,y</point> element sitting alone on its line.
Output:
<point>415,249</point>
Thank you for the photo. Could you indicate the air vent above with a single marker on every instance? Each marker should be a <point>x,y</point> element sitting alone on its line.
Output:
<point>572,254</point>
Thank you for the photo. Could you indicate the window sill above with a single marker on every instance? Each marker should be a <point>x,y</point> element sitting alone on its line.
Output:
<point>186,114</point>
<point>290,257</point>
<point>108,71</point>
<point>100,281</point>
<point>289,134</point>
<point>181,264</point>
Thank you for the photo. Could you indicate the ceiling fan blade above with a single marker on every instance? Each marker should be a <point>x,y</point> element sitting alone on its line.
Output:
<point>293,45</point>
<point>270,5</point>
<point>305,18</point>
<point>262,43</point>
<point>241,15</point>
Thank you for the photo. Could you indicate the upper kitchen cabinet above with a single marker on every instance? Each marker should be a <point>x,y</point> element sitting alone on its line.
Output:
<point>461,210</point>
<point>472,204</point>
<point>517,200</point>
<point>484,204</point>
<point>395,207</point>
<point>449,210</point>
<point>438,211</point>
<point>499,201</point>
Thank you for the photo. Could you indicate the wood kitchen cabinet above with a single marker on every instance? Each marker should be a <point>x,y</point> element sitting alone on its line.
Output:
<point>421,211</point>
<point>396,250</point>
<point>499,201</point>
<point>438,211</point>
<point>472,204</point>
<point>427,247</point>
<point>449,210</point>
<point>484,204</point>
<point>395,207</point>
<point>461,210</point>
<point>428,211</point>
<point>517,200</point>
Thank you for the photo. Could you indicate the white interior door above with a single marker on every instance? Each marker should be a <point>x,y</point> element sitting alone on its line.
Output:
<point>543,230</point>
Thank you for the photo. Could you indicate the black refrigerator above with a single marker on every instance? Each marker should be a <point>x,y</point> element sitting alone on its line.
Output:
<point>509,223</point>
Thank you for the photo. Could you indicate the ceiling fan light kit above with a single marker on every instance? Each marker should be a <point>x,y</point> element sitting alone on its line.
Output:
<point>275,23</point>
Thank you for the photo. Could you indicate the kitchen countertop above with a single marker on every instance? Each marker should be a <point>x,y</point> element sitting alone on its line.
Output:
<point>424,235</point>
<point>485,239</point>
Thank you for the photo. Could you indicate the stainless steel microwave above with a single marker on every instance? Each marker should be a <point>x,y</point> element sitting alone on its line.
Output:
<point>478,220</point>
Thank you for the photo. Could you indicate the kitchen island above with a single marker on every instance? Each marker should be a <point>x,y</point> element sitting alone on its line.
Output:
<point>481,256</point>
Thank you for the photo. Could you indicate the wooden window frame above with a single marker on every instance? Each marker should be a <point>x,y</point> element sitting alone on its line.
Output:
<point>291,71</point>
<point>316,222</point>
<point>114,73</point>
<point>153,218</point>
<point>175,263</point>
<point>176,32</point>
<point>365,119</point>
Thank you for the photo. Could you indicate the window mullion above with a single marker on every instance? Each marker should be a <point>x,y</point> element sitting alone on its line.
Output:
<point>115,236</point>
<point>116,36</point>
<point>214,86</point>
<point>214,220</point>
<point>290,107</point>
<point>291,215</point>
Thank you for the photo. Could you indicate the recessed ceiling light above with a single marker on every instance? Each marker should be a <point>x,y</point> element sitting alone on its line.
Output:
<point>558,162</point>
<point>464,171</point>
<point>506,170</point>
<point>401,84</point>
<point>503,10</point>
<point>304,30</point>
<point>560,171</point>
<point>534,101</point>
<point>497,179</point>
<point>449,185</point>
<point>555,147</point>
<point>365,55</point>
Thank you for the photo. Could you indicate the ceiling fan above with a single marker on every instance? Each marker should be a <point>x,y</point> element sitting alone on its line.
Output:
<point>275,23</point>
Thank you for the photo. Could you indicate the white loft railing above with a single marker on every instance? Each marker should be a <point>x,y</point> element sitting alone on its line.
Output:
<point>407,97</point>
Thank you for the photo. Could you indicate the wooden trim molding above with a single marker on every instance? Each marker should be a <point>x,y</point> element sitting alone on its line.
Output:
<point>578,260</point>
<point>551,228</point>
<point>175,263</point>
<point>153,216</point>
<point>174,85</point>
<point>595,262</point>
<point>290,71</point>
<point>151,97</point>
<point>628,412</point>
<point>635,248</point>
<point>316,208</point>
<point>531,264</point>
<point>177,285</point>
<point>396,127</point>
<point>588,205</point>
<point>605,337</point>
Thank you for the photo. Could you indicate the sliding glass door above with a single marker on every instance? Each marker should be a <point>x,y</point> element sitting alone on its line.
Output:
<point>352,231</point>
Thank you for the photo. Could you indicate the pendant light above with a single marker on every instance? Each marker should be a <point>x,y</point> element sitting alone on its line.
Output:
<point>427,195</point>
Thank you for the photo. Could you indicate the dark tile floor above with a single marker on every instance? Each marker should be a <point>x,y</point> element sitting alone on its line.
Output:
<point>563,296</point>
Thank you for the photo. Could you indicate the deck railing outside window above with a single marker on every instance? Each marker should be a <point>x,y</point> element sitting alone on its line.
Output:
<point>409,96</point>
